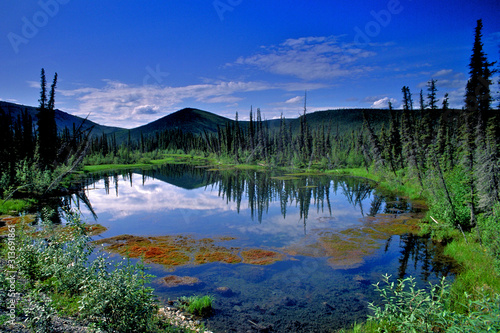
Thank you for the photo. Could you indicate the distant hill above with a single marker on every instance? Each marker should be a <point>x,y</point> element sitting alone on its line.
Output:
<point>63,119</point>
<point>343,120</point>
<point>197,121</point>
<point>188,120</point>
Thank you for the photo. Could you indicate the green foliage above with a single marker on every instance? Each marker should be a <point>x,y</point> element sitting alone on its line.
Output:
<point>55,264</point>
<point>489,225</point>
<point>38,311</point>
<point>198,305</point>
<point>406,308</point>
<point>442,232</point>
<point>31,178</point>
<point>16,205</point>
<point>440,209</point>
<point>4,287</point>
<point>118,299</point>
<point>477,272</point>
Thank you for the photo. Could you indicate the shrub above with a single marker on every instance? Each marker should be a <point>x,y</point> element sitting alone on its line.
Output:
<point>489,226</point>
<point>118,299</point>
<point>39,312</point>
<point>54,260</point>
<point>408,309</point>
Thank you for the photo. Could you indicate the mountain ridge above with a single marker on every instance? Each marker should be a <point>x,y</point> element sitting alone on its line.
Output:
<point>198,121</point>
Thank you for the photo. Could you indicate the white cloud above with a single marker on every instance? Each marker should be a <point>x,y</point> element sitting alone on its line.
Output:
<point>120,104</point>
<point>294,100</point>
<point>443,72</point>
<point>383,103</point>
<point>310,58</point>
<point>146,109</point>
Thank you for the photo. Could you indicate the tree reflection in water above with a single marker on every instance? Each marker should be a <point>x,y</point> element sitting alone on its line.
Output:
<point>259,189</point>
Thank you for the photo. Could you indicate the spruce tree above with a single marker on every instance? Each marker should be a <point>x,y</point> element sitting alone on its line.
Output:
<point>47,143</point>
<point>478,95</point>
<point>431,95</point>
<point>487,168</point>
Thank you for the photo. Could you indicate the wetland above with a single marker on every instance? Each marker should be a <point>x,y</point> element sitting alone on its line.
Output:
<point>294,253</point>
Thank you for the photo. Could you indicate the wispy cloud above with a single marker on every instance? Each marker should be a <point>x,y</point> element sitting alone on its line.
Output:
<point>310,58</point>
<point>120,104</point>
<point>294,100</point>
<point>451,82</point>
<point>383,103</point>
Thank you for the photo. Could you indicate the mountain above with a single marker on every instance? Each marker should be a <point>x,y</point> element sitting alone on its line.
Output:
<point>197,121</point>
<point>63,119</point>
<point>188,120</point>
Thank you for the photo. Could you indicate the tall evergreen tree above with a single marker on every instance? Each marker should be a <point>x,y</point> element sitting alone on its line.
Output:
<point>431,94</point>
<point>487,168</point>
<point>47,129</point>
<point>478,95</point>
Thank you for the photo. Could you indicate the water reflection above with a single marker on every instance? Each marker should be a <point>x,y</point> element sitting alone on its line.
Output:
<point>314,221</point>
<point>258,190</point>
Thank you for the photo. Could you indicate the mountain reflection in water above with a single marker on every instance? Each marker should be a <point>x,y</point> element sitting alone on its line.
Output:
<point>335,236</point>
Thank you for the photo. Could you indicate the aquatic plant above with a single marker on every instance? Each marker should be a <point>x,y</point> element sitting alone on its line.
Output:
<point>197,305</point>
<point>181,250</point>
<point>261,257</point>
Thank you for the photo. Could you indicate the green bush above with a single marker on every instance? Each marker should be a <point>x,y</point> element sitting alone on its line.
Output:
<point>458,213</point>
<point>54,262</point>
<point>38,311</point>
<point>117,299</point>
<point>405,308</point>
<point>489,226</point>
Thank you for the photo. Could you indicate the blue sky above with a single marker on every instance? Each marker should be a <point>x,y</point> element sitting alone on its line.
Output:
<point>127,63</point>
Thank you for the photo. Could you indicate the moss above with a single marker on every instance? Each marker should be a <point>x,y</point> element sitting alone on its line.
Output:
<point>181,250</point>
<point>18,221</point>
<point>261,257</point>
<point>347,248</point>
<point>217,256</point>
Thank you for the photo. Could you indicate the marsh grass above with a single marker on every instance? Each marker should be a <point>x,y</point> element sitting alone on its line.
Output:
<point>197,305</point>
<point>16,205</point>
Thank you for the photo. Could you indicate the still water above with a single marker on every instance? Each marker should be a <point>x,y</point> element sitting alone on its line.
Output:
<point>280,253</point>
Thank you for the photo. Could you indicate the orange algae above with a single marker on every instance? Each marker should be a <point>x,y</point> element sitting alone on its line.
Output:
<point>6,221</point>
<point>348,248</point>
<point>182,250</point>
<point>261,257</point>
<point>217,256</point>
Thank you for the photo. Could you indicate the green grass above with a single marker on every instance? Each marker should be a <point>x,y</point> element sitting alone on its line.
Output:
<point>477,270</point>
<point>13,206</point>
<point>169,159</point>
<point>198,305</point>
<point>65,305</point>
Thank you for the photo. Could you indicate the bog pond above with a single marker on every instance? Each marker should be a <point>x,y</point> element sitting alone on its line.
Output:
<point>280,253</point>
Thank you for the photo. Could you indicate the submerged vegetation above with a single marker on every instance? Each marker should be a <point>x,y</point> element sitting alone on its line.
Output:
<point>172,251</point>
